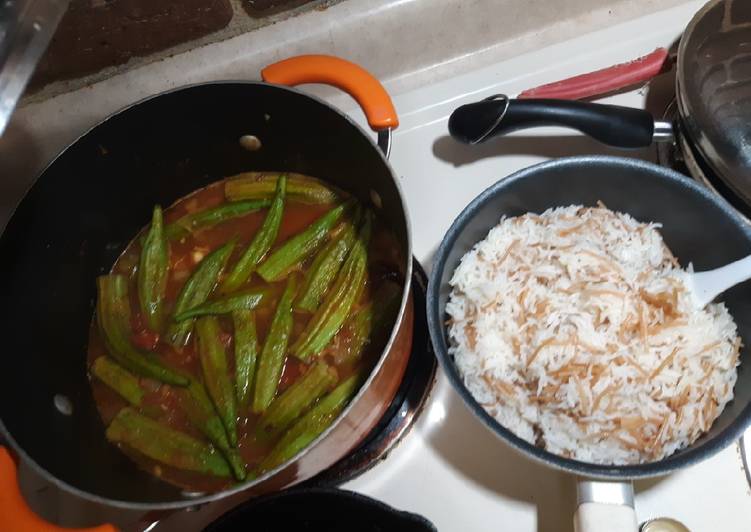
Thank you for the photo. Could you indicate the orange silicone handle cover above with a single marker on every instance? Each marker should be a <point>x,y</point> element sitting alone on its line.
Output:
<point>345,75</point>
<point>15,514</point>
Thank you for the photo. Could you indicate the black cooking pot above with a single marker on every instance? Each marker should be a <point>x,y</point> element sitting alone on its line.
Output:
<point>699,228</point>
<point>318,510</point>
<point>85,207</point>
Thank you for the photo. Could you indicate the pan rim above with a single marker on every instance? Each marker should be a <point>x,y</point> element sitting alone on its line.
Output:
<point>436,328</point>
<point>703,146</point>
<point>238,488</point>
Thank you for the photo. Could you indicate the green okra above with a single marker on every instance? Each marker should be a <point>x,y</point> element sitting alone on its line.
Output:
<point>258,185</point>
<point>312,424</point>
<point>326,265</point>
<point>215,372</point>
<point>295,250</point>
<point>209,217</point>
<point>271,361</point>
<point>113,317</point>
<point>152,272</point>
<point>261,243</point>
<point>197,290</point>
<point>296,399</point>
<point>165,445</point>
<point>197,405</point>
<point>368,323</point>
<point>246,354</point>
<point>119,379</point>
<point>245,300</point>
<point>336,306</point>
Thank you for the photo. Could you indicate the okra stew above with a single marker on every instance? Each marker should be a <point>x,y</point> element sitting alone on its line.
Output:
<point>238,324</point>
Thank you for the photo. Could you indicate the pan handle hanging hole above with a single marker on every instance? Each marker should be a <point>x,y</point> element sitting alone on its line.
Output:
<point>250,142</point>
<point>376,199</point>
<point>63,404</point>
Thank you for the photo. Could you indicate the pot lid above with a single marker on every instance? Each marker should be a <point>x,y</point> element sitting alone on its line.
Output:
<point>714,89</point>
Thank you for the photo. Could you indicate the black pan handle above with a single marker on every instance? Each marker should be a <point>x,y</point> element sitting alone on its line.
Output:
<point>622,127</point>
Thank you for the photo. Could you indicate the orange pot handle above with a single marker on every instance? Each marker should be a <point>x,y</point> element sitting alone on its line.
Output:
<point>342,74</point>
<point>15,514</point>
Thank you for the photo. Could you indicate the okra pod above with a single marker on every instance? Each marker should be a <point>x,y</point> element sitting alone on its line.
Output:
<point>119,379</point>
<point>197,290</point>
<point>296,399</point>
<point>326,265</point>
<point>246,353</point>
<point>261,243</point>
<point>216,374</point>
<point>197,405</point>
<point>245,300</point>
<point>312,424</point>
<point>164,444</point>
<point>334,310</point>
<point>295,250</point>
<point>257,185</point>
<point>368,323</point>
<point>209,217</point>
<point>113,317</point>
<point>271,361</point>
<point>152,272</point>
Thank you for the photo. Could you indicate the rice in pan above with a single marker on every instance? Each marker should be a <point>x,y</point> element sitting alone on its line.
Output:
<point>575,331</point>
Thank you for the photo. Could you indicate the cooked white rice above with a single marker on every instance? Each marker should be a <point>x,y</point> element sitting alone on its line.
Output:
<point>575,331</point>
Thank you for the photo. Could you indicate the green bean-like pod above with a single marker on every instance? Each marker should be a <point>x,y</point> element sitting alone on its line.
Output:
<point>260,185</point>
<point>294,251</point>
<point>119,379</point>
<point>195,402</point>
<point>326,265</point>
<point>245,300</point>
<point>246,355</point>
<point>197,290</point>
<point>113,318</point>
<point>153,270</point>
<point>216,374</point>
<point>367,324</point>
<point>165,445</point>
<point>296,399</point>
<point>312,424</point>
<point>271,361</point>
<point>335,309</point>
<point>190,222</point>
<point>261,243</point>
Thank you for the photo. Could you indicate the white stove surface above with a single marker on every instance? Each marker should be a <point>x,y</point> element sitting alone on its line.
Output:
<point>450,468</point>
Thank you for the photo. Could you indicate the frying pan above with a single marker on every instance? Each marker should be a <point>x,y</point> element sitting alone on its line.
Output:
<point>713,91</point>
<point>698,227</point>
<point>85,207</point>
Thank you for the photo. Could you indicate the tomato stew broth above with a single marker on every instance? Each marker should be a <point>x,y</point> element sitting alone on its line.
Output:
<point>160,401</point>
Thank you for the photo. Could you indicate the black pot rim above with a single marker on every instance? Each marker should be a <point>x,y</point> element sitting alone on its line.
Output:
<point>667,465</point>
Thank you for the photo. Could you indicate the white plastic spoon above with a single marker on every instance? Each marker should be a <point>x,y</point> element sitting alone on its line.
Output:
<point>705,286</point>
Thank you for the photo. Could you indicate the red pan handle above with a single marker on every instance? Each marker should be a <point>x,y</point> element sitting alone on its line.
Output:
<point>603,81</point>
<point>349,77</point>
<point>15,514</point>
